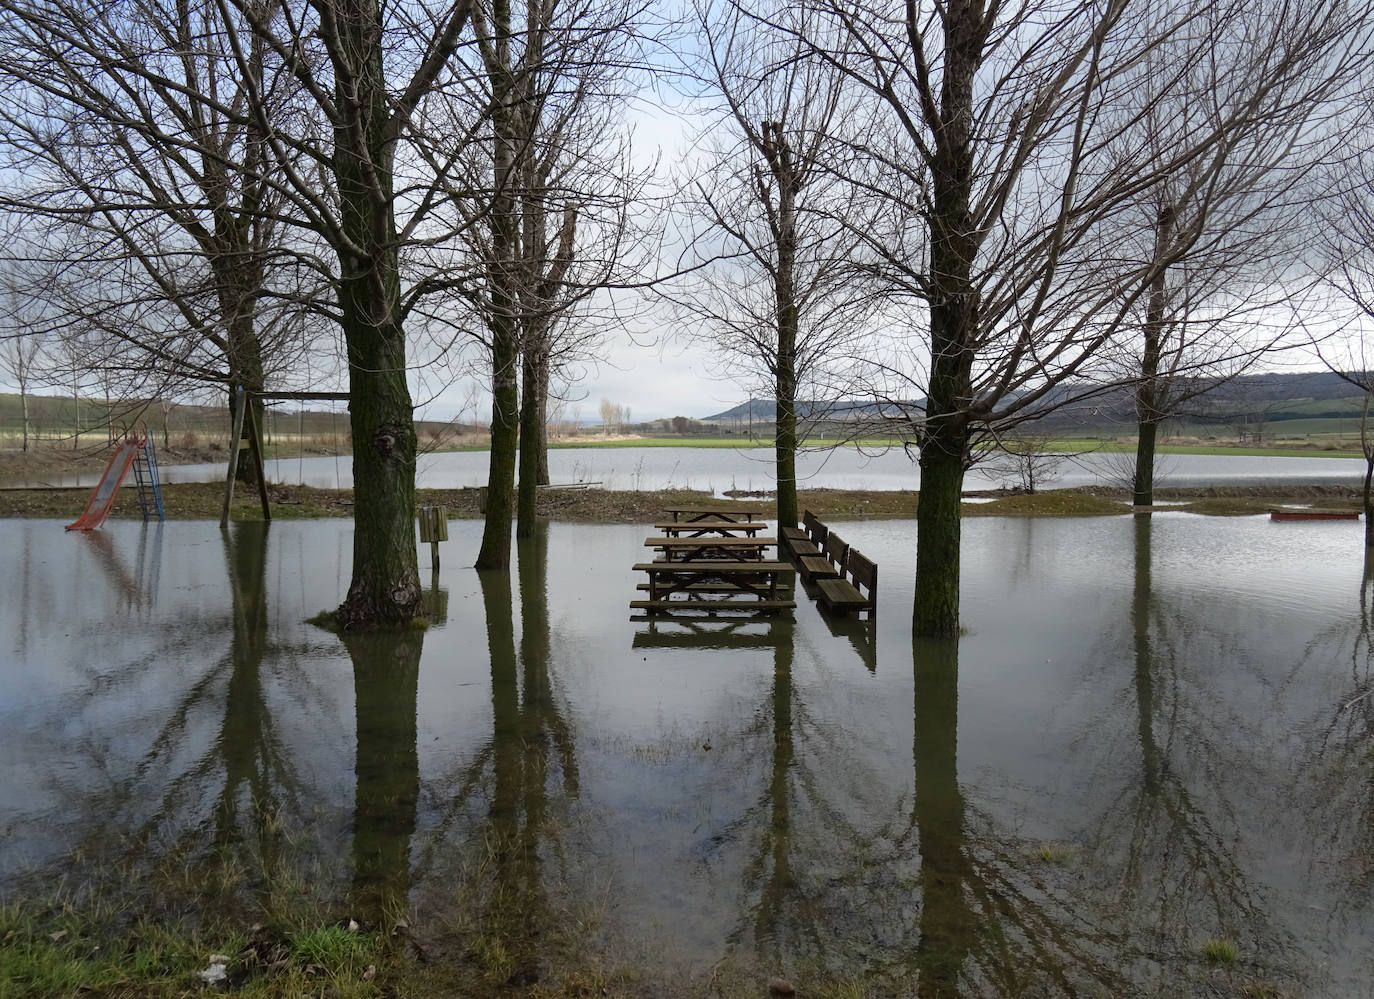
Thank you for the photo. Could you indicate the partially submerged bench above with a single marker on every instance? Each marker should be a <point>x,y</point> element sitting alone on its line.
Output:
<point>844,593</point>
<point>827,565</point>
<point>812,540</point>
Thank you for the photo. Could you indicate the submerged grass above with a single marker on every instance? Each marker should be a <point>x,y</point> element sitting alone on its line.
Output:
<point>1219,950</point>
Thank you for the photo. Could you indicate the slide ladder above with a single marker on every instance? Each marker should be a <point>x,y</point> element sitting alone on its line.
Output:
<point>134,450</point>
<point>146,477</point>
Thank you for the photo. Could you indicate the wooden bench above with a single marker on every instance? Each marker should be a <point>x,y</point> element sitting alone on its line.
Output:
<point>692,514</point>
<point>792,532</point>
<point>827,565</point>
<point>844,593</point>
<point>814,540</point>
<point>712,586</point>
<point>700,528</point>
<point>698,549</point>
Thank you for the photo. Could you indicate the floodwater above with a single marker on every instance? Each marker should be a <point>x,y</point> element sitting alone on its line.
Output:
<point>1156,731</point>
<point>719,470</point>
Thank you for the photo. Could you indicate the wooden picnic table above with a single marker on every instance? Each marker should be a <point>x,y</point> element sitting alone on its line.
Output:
<point>704,548</point>
<point>752,579</point>
<point>692,514</point>
<point>698,528</point>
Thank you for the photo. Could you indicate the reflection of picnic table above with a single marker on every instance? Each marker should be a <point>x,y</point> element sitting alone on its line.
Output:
<point>693,514</point>
<point>711,586</point>
<point>698,528</point>
<point>704,548</point>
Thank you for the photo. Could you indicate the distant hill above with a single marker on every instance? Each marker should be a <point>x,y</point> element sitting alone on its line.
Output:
<point>1276,397</point>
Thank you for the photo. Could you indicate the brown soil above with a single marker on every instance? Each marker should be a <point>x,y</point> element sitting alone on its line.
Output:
<point>203,501</point>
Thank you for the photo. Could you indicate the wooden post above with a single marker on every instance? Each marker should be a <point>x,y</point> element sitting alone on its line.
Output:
<point>235,437</point>
<point>256,441</point>
<point>433,528</point>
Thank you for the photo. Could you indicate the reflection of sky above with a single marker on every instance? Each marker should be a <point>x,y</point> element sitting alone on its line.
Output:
<point>1047,731</point>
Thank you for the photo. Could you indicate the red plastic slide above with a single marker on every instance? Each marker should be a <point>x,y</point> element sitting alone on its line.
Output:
<point>102,500</point>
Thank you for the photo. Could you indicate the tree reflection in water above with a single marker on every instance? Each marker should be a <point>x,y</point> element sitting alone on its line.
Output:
<point>1165,850</point>
<point>386,671</point>
<point>212,807</point>
<point>531,752</point>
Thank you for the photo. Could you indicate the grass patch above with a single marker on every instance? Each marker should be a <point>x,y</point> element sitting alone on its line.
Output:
<point>1219,950</point>
<point>1050,503</point>
<point>1054,853</point>
<point>326,620</point>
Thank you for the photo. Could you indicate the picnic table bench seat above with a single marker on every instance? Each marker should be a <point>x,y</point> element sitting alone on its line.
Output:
<point>694,549</point>
<point>692,514</point>
<point>698,528</point>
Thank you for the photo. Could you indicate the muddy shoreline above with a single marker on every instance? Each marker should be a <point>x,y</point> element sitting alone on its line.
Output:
<point>204,500</point>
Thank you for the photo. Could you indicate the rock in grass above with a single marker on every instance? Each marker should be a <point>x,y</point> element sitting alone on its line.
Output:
<point>780,987</point>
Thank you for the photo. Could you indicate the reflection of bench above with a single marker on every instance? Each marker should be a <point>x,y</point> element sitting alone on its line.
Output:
<point>844,593</point>
<point>698,549</point>
<point>712,586</point>
<point>699,528</point>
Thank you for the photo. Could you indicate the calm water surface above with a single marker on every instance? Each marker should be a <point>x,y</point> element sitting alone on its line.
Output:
<point>1154,732</point>
<point>721,469</point>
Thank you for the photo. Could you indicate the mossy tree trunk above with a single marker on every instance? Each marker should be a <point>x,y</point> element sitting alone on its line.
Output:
<point>385,589</point>
<point>954,329</point>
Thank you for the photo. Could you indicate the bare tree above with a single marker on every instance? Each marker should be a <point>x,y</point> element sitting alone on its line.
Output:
<point>551,181</point>
<point>359,193</point>
<point>1222,231</point>
<point>772,287</point>
<point>1010,129</point>
<point>1348,261</point>
<point>126,140</point>
<point>21,351</point>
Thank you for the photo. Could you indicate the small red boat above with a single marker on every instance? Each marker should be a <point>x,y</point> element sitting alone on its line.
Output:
<point>1314,515</point>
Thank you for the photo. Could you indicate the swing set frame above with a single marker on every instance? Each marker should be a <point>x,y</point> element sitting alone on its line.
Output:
<point>244,418</point>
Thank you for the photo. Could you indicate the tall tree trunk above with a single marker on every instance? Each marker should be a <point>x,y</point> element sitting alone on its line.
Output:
<point>531,419</point>
<point>953,335</point>
<point>542,386</point>
<point>1367,443</point>
<point>24,414</point>
<point>938,533</point>
<point>385,589</point>
<point>505,336</point>
<point>1149,402</point>
<point>778,153</point>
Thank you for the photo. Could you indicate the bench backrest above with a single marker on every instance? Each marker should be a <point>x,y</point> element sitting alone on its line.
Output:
<point>864,572</point>
<point>836,549</point>
<point>815,530</point>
